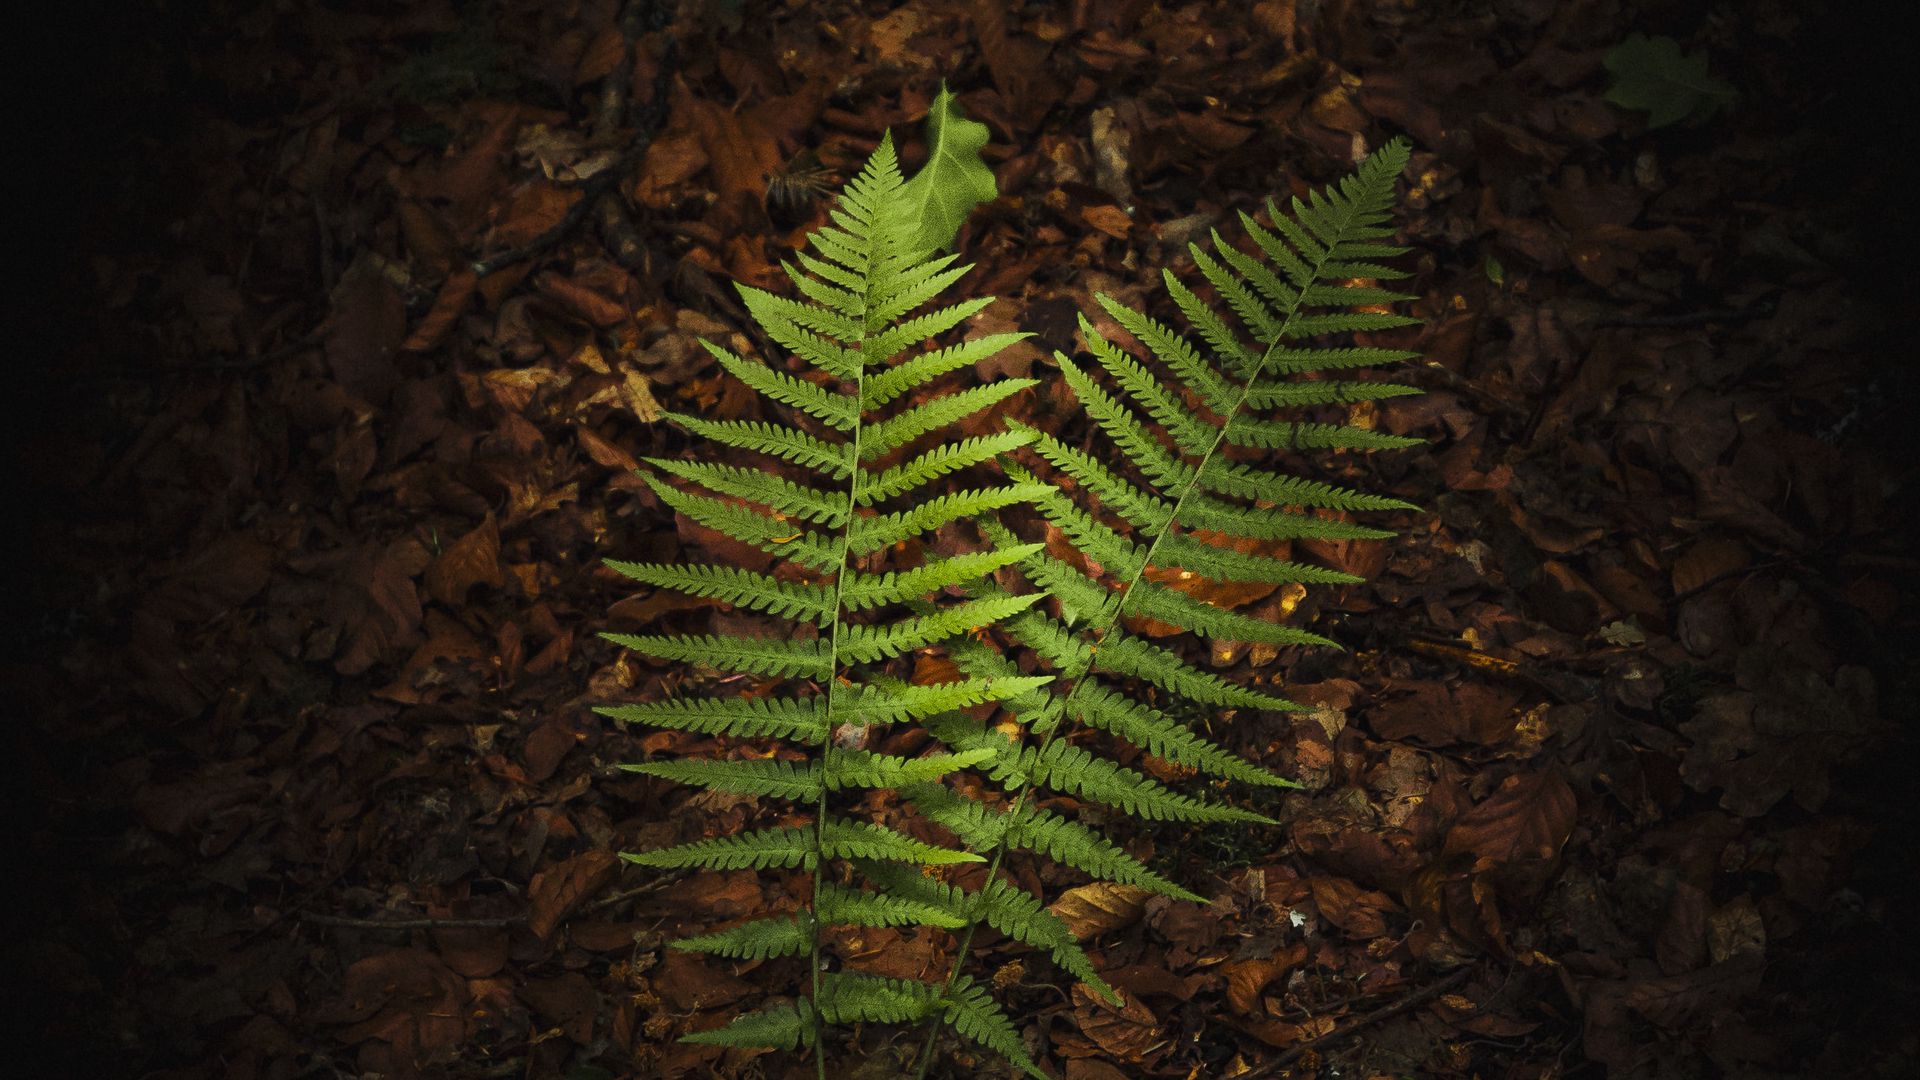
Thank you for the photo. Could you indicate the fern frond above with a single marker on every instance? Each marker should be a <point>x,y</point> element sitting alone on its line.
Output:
<point>866,644</point>
<point>1069,769</point>
<point>774,492</point>
<point>889,435</point>
<point>1171,605</point>
<point>872,533</point>
<point>766,778</point>
<point>765,531</point>
<point>1164,737</point>
<point>935,463</point>
<point>878,706</point>
<point>970,1010</point>
<point>801,720</point>
<point>843,768</point>
<point>1020,915</point>
<point>842,839</point>
<point>741,588</point>
<point>889,342</point>
<point>920,370</point>
<point>778,1027</point>
<point>843,905</point>
<point>860,591</point>
<point>851,998</point>
<point>836,410</point>
<point>782,848</point>
<point>757,940</point>
<point>749,656</point>
<point>787,444</point>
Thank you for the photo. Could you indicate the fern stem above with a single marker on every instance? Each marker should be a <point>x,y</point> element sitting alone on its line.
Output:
<point>1079,677</point>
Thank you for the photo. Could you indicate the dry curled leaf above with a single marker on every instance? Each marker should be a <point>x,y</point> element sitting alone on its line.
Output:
<point>1092,910</point>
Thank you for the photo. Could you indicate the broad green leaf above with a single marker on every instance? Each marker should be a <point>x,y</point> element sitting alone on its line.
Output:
<point>1653,76</point>
<point>954,180</point>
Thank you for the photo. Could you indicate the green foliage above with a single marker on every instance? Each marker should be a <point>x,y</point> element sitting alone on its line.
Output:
<point>1653,76</point>
<point>954,179</point>
<point>814,492</point>
<point>1184,470</point>
<point>1186,481</point>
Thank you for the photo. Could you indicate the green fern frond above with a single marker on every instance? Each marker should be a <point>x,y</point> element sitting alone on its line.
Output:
<point>921,370</point>
<point>801,720</point>
<point>778,1027</point>
<point>774,492</point>
<point>851,998</point>
<point>749,656</point>
<point>842,839</point>
<point>934,464</point>
<point>889,706</point>
<point>852,316</point>
<point>757,940</point>
<point>765,531</point>
<point>860,591</point>
<point>769,779</point>
<point>866,644</point>
<point>1163,473</point>
<point>787,444</point>
<point>1164,737</point>
<point>971,1011</point>
<point>1021,916</point>
<point>1067,768</point>
<point>842,905</point>
<point>782,848</point>
<point>836,410</point>
<point>873,533</point>
<point>741,588</point>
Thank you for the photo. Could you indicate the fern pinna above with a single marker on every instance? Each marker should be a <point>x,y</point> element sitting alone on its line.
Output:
<point>866,397</point>
<point>1190,509</point>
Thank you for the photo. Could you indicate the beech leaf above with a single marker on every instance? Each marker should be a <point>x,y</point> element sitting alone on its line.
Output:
<point>1654,77</point>
<point>954,180</point>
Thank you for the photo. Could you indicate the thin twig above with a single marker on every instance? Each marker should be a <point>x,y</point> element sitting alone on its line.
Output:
<point>1408,1001</point>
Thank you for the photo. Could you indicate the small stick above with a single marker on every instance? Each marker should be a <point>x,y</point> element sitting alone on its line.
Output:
<point>1410,1001</point>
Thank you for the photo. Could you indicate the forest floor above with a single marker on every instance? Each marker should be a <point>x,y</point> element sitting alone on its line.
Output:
<point>1605,782</point>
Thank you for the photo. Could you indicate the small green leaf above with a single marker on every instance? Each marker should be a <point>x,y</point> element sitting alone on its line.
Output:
<point>954,179</point>
<point>1654,77</point>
